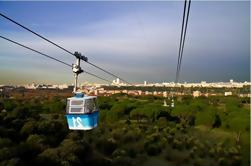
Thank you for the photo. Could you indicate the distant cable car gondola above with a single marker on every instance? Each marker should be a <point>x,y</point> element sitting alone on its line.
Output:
<point>172,104</point>
<point>82,110</point>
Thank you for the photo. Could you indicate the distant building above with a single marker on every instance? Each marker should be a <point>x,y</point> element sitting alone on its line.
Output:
<point>117,81</point>
<point>228,94</point>
<point>63,86</point>
<point>245,95</point>
<point>196,93</point>
<point>31,86</point>
<point>95,92</point>
<point>203,82</point>
<point>165,94</point>
<point>117,91</point>
<point>139,92</point>
<point>124,91</point>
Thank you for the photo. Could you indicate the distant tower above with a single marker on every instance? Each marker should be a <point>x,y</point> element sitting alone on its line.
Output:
<point>117,81</point>
<point>145,83</point>
<point>165,105</point>
<point>231,81</point>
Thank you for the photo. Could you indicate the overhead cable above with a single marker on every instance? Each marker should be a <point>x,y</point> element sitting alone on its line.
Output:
<point>182,38</point>
<point>46,39</point>
<point>17,43</point>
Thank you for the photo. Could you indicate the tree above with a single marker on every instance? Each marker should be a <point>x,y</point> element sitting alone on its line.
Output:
<point>5,142</point>
<point>37,142</point>
<point>191,120</point>
<point>105,146</point>
<point>153,149</point>
<point>137,114</point>
<point>1,106</point>
<point>48,157</point>
<point>217,121</point>
<point>6,153</point>
<point>20,112</point>
<point>9,105</point>
<point>28,128</point>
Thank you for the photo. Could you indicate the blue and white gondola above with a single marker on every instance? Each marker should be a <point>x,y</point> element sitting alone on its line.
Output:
<point>82,112</point>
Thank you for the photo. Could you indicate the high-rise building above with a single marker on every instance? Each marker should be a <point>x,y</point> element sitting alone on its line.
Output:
<point>203,82</point>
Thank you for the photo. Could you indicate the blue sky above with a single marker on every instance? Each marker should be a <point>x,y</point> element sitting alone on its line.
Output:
<point>135,40</point>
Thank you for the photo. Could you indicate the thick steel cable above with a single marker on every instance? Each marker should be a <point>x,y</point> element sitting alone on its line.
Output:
<point>36,51</point>
<point>182,39</point>
<point>109,73</point>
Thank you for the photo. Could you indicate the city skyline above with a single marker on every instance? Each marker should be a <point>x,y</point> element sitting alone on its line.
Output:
<point>118,82</point>
<point>136,40</point>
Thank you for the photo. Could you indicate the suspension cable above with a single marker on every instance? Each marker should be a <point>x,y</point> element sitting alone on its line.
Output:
<point>182,39</point>
<point>85,60</point>
<point>12,41</point>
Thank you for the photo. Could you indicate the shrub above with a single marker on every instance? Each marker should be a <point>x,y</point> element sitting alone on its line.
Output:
<point>6,153</point>
<point>223,161</point>
<point>5,142</point>
<point>131,136</point>
<point>48,157</point>
<point>37,142</point>
<point>1,106</point>
<point>28,128</point>
<point>123,161</point>
<point>9,105</point>
<point>118,153</point>
<point>105,146</point>
<point>153,149</point>
<point>177,144</point>
<point>217,121</point>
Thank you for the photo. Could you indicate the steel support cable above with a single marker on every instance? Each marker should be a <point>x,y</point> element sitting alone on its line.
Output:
<point>36,51</point>
<point>108,72</point>
<point>50,57</point>
<point>35,33</point>
<point>97,76</point>
<point>182,39</point>
<point>59,46</point>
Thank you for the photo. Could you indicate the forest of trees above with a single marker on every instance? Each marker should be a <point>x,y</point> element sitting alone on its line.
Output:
<point>187,90</point>
<point>135,130</point>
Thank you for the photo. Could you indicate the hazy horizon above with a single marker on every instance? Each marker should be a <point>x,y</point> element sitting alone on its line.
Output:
<point>138,41</point>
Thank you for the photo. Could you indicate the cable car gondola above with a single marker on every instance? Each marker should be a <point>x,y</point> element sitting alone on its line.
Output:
<point>81,111</point>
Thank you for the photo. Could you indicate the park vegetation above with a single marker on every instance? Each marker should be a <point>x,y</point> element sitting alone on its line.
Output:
<point>133,130</point>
